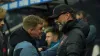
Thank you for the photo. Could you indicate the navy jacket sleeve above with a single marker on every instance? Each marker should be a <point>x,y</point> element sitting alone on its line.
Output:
<point>51,51</point>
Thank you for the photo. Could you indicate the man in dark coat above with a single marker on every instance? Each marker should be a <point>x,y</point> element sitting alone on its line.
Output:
<point>73,40</point>
<point>24,39</point>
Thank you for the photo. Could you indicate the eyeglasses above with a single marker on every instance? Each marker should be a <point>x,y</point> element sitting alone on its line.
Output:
<point>62,13</point>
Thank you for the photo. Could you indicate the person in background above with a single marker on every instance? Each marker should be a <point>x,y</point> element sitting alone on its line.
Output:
<point>52,36</point>
<point>81,16</point>
<point>2,16</point>
<point>84,17</point>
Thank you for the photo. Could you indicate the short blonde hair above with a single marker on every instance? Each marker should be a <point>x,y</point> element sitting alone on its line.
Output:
<point>31,21</point>
<point>2,12</point>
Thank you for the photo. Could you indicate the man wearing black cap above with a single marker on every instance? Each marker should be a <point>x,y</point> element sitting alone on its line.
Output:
<point>73,40</point>
<point>62,13</point>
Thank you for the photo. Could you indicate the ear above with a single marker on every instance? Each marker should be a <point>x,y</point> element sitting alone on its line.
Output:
<point>30,30</point>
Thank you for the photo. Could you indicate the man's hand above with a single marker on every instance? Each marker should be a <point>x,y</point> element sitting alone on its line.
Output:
<point>40,49</point>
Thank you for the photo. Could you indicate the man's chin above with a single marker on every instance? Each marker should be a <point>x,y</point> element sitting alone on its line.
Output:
<point>38,37</point>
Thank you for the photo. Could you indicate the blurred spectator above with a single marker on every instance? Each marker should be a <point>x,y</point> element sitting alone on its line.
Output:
<point>82,16</point>
<point>2,16</point>
<point>52,36</point>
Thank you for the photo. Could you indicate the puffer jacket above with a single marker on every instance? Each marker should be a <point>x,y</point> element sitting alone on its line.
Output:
<point>73,43</point>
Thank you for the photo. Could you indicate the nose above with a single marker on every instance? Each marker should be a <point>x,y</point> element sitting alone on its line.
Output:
<point>46,39</point>
<point>2,22</point>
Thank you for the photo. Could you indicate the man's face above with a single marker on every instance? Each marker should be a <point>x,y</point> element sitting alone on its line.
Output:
<point>1,22</point>
<point>49,37</point>
<point>80,16</point>
<point>63,18</point>
<point>2,16</point>
<point>37,31</point>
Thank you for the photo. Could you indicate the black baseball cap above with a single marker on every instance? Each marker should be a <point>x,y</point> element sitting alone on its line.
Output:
<point>61,9</point>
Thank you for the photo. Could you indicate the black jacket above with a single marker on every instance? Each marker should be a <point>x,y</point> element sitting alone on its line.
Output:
<point>21,35</point>
<point>73,44</point>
